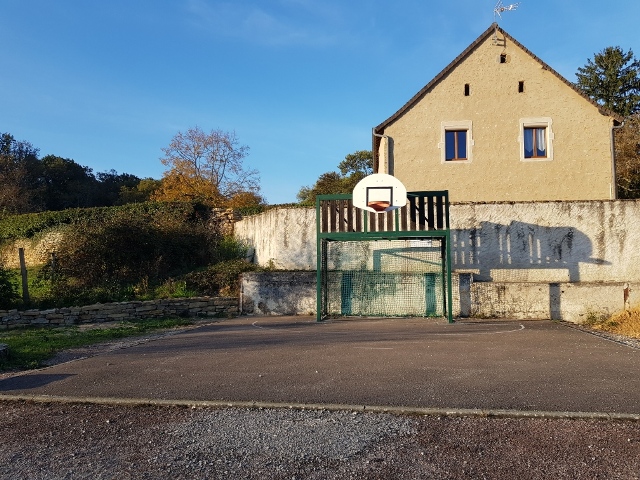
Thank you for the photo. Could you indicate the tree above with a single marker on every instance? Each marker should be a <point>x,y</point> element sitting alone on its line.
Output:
<point>110,184</point>
<point>359,162</point>
<point>142,192</point>
<point>205,167</point>
<point>627,143</point>
<point>67,184</point>
<point>19,176</point>
<point>245,199</point>
<point>612,79</point>
<point>353,168</point>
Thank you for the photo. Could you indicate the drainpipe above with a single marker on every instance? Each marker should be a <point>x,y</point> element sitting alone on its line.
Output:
<point>614,188</point>
<point>385,164</point>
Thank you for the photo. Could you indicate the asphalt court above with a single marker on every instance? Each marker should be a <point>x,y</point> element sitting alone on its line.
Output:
<point>420,363</point>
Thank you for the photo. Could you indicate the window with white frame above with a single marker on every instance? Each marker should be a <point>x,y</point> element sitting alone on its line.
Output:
<point>536,139</point>
<point>456,142</point>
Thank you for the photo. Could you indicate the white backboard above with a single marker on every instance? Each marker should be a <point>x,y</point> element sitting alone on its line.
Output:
<point>379,193</point>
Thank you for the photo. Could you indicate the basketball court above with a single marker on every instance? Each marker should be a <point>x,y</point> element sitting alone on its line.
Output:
<point>399,362</point>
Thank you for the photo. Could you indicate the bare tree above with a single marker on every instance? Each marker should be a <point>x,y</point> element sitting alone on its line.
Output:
<point>206,166</point>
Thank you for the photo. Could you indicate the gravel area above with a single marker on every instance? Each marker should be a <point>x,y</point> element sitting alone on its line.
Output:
<point>75,441</point>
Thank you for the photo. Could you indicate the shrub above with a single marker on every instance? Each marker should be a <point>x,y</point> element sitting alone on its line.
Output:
<point>8,288</point>
<point>227,248</point>
<point>219,279</point>
<point>103,260</point>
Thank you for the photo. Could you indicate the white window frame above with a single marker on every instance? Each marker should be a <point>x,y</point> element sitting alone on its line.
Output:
<point>457,126</point>
<point>537,122</point>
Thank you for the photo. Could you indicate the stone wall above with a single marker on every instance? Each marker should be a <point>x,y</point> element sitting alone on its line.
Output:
<point>37,251</point>
<point>182,307</point>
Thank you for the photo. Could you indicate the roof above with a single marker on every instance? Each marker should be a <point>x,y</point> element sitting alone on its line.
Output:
<point>493,28</point>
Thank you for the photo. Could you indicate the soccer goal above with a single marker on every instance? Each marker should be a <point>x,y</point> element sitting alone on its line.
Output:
<point>396,263</point>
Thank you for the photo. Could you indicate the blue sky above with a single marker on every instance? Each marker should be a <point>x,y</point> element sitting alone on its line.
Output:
<point>301,82</point>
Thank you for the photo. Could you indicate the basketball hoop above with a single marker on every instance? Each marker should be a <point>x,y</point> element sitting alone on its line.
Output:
<point>379,193</point>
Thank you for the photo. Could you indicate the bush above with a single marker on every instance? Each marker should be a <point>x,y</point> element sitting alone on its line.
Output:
<point>221,278</point>
<point>104,260</point>
<point>8,288</point>
<point>29,225</point>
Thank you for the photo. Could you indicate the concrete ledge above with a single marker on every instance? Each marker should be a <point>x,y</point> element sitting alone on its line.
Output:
<point>571,302</point>
<point>411,411</point>
<point>294,293</point>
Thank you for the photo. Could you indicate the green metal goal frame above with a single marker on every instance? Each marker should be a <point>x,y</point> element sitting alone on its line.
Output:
<point>425,216</point>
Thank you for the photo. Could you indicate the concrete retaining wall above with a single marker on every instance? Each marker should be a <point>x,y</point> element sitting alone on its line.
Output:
<point>184,307</point>
<point>294,293</point>
<point>552,242</point>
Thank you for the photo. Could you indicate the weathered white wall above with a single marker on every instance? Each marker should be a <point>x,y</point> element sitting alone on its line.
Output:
<point>555,242</point>
<point>294,293</point>
<point>286,237</point>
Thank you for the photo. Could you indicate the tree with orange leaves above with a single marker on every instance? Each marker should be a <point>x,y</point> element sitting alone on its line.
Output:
<point>206,167</point>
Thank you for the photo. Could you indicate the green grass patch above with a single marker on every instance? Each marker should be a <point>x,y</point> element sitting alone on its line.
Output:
<point>31,347</point>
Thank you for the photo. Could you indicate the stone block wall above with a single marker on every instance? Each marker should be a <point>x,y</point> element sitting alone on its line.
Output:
<point>108,312</point>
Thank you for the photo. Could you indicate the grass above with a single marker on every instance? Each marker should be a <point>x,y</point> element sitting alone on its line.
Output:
<point>31,347</point>
<point>625,323</point>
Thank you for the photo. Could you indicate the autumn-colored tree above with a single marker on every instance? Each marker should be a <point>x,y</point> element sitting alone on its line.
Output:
<point>627,143</point>
<point>245,199</point>
<point>205,167</point>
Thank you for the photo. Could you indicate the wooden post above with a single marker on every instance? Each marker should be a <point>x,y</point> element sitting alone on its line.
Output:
<point>23,271</point>
<point>53,266</point>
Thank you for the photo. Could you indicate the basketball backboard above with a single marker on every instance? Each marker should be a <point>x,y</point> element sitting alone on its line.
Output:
<point>379,193</point>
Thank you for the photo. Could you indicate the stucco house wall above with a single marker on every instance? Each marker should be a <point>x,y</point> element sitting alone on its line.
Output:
<point>492,99</point>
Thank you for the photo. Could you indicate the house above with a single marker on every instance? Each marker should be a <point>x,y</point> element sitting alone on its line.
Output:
<point>499,124</point>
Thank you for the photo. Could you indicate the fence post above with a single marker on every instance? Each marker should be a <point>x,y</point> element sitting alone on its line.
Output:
<point>23,271</point>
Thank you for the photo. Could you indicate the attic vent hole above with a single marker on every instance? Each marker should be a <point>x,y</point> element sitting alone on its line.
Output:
<point>467,89</point>
<point>504,58</point>
<point>520,87</point>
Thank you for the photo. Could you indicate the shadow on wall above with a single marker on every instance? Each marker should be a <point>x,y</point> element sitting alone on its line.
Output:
<point>524,252</point>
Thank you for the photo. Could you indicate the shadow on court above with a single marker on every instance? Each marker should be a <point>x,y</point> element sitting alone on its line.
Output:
<point>520,365</point>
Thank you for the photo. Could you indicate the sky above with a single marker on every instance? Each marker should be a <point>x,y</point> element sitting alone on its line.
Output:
<point>300,82</point>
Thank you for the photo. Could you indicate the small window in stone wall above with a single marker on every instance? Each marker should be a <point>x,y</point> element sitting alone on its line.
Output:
<point>521,86</point>
<point>504,58</point>
<point>467,89</point>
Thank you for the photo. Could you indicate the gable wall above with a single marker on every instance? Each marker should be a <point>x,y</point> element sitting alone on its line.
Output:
<point>580,170</point>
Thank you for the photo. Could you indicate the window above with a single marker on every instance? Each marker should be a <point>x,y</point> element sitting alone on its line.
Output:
<point>536,139</point>
<point>456,142</point>
<point>521,87</point>
<point>535,142</point>
<point>467,89</point>
<point>455,145</point>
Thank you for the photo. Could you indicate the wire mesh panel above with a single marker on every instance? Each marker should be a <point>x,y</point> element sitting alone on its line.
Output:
<point>383,278</point>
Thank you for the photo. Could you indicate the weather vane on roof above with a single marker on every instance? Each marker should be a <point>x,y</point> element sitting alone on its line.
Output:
<point>499,8</point>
